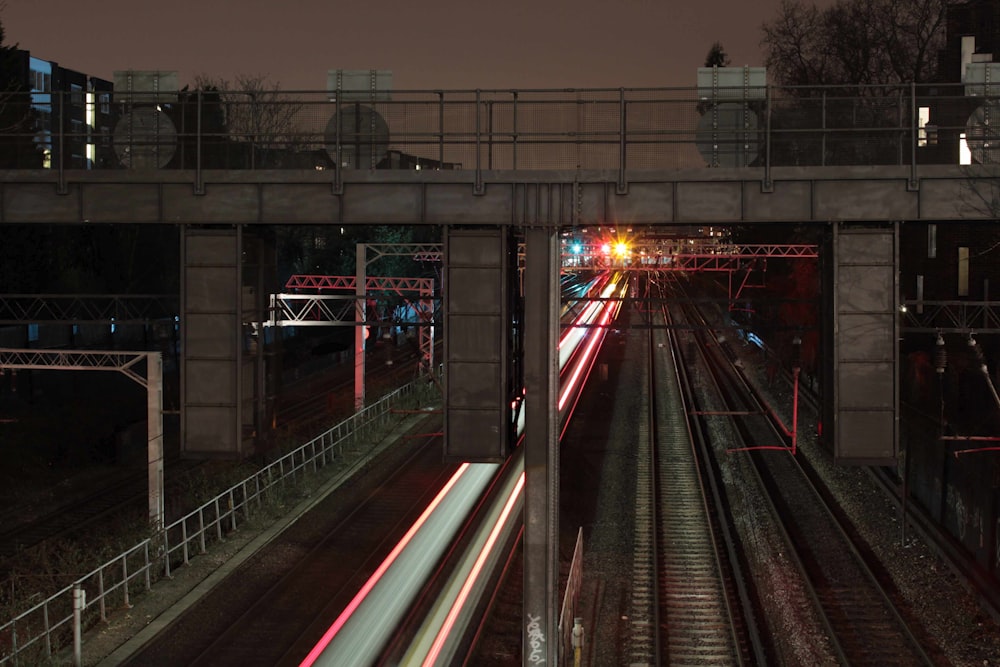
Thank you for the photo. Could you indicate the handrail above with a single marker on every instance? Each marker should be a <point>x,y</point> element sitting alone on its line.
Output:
<point>48,626</point>
<point>620,129</point>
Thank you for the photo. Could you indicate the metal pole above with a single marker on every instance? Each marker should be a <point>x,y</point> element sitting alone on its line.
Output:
<point>79,602</point>
<point>822,146</point>
<point>479,138</point>
<point>199,184</point>
<point>62,142</point>
<point>622,129</point>
<point>540,638</point>
<point>767,139</point>
<point>154,431</point>
<point>913,134</point>
<point>359,326</point>
<point>440,129</point>
<point>238,343</point>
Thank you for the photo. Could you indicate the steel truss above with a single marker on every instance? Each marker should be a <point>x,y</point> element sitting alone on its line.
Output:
<point>951,317</point>
<point>89,308</point>
<point>334,310</point>
<point>125,363</point>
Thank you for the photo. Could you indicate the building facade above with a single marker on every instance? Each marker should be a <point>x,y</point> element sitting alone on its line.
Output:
<point>70,113</point>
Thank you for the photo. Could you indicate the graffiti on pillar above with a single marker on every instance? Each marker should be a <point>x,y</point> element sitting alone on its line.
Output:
<point>536,640</point>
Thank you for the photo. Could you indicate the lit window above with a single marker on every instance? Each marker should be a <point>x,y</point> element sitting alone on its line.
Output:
<point>964,154</point>
<point>923,118</point>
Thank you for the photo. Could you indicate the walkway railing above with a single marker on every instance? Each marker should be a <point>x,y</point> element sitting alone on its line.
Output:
<point>53,625</point>
<point>626,129</point>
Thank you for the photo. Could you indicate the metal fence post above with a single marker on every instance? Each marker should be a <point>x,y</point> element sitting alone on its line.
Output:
<point>102,605</point>
<point>440,95</point>
<point>199,183</point>
<point>62,188</point>
<point>768,185</point>
<point>79,602</point>
<point>478,189</point>
<point>822,131</point>
<point>513,149</point>
<point>127,602</point>
<point>622,128</point>
<point>913,135</point>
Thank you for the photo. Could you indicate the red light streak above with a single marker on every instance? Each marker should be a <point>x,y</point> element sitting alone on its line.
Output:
<point>390,559</point>
<point>470,581</point>
<point>476,570</point>
<point>605,317</point>
<point>607,311</point>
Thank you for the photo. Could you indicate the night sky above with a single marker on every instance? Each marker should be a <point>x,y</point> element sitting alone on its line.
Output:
<point>428,44</point>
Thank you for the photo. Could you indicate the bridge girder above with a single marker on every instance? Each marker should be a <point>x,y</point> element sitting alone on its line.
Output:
<point>512,197</point>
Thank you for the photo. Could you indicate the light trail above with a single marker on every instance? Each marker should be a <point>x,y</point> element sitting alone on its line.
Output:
<point>453,502</point>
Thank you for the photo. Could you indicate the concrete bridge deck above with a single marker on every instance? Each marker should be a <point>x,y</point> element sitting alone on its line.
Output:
<point>509,197</point>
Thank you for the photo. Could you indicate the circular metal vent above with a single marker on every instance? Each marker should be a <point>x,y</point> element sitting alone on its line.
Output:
<point>364,137</point>
<point>145,138</point>
<point>982,133</point>
<point>727,135</point>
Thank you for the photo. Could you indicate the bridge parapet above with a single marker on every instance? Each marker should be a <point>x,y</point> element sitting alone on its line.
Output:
<point>507,156</point>
<point>621,128</point>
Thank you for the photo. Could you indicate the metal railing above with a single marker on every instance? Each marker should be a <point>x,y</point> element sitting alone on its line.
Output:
<point>53,625</point>
<point>626,129</point>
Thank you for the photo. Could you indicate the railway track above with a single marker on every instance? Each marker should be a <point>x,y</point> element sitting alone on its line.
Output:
<point>847,604</point>
<point>283,599</point>
<point>702,605</point>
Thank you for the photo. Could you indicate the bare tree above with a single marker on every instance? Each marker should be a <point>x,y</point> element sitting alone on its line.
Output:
<point>257,114</point>
<point>878,42</point>
<point>844,69</point>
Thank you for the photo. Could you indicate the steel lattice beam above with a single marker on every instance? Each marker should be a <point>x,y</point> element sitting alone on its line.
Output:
<point>86,308</point>
<point>951,317</point>
<point>74,360</point>
<point>304,310</point>
<point>422,252</point>
<point>123,362</point>
<point>349,283</point>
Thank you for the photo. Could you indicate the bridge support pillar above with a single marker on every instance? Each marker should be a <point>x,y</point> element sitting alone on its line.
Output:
<point>540,635</point>
<point>862,370</point>
<point>478,332</point>
<point>221,364</point>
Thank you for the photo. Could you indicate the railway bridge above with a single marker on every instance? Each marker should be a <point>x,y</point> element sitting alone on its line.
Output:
<point>484,165</point>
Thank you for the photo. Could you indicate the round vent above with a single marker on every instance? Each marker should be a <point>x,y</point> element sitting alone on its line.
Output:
<point>364,137</point>
<point>145,138</point>
<point>982,133</point>
<point>727,135</point>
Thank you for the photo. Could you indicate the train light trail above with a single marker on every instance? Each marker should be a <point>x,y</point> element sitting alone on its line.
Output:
<point>368,622</point>
<point>477,569</point>
<point>377,575</point>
